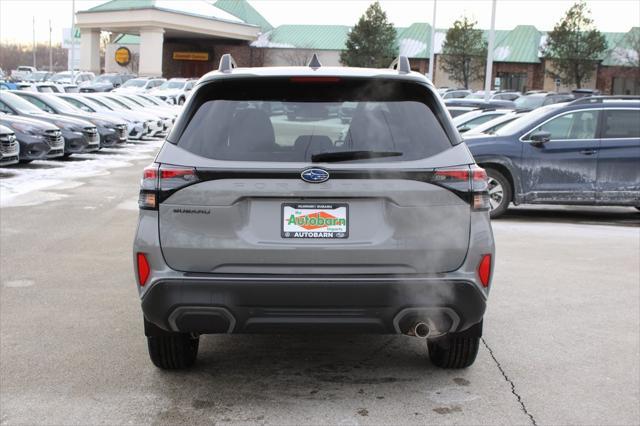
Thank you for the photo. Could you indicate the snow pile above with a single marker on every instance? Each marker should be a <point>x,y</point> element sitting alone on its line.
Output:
<point>16,183</point>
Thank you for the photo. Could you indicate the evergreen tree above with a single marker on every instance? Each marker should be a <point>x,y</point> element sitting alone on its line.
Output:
<point>372,42</point>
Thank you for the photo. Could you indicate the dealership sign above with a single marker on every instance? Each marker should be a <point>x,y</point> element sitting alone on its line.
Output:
<point>123,56</point>
<point>190,56</point>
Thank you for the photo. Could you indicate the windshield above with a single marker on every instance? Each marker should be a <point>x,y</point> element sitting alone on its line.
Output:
<point>61,105</point>
<point>151,100</point>
<point>125,103</point>
<point>522,123</point>
<point>19,104</point>
<point>135,82</point>
<point>104,79</point>
<point>38,76</point>
<point>395,121</point>
<point>172,85</point>
<point>102,103</point>
<point>529,102</point>
<point>61,76</point>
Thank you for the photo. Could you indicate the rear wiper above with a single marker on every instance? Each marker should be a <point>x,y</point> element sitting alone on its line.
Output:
<point>336,156</point>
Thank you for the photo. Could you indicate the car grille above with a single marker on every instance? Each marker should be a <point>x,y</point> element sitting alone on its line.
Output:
<point>92,134</point>
<point>8,145</point>
<point>54,139</point>
<point>121,131</point>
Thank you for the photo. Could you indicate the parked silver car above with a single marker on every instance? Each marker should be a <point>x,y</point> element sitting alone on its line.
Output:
<point>252,223</point>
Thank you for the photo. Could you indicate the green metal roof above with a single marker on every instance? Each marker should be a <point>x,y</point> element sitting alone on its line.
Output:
<point>521,44</point>
<point>321,37</point>
<point>243,10</point>
<point>126,39</point>
<point>200,8</point>
<point>620,48</point>
<point>114,5</point>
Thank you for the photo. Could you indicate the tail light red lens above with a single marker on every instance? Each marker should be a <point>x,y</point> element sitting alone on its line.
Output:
<point>160,181</point>
<point>471,180</point>
<point>143,269</point>
<point>484,270</point>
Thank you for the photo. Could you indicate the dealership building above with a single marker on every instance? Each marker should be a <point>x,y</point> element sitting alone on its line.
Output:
<point>186,39</point>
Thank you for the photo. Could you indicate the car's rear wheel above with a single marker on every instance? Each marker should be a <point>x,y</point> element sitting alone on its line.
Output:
<point>500,192</point>
<point>453,351</point>
<point>173,351</point>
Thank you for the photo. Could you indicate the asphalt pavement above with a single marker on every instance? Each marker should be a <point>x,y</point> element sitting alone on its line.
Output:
<point>561,342</point>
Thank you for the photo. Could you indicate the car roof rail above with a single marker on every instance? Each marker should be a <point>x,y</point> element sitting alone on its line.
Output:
<point>314,63</point>
<point>600,99</point>
<point>401,63</point>
<point>227,63</point>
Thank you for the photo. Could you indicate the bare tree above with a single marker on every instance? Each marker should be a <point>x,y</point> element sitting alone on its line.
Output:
<point>632,48</point>
<point>298,57</point>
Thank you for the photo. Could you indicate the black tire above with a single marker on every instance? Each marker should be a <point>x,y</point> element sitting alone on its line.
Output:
<point>173,351</point>
<point>453,351</point>
<point>505,196</point>
<point>26,161</point>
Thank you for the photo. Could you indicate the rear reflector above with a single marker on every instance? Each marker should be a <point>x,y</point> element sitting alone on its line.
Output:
<point>484,270</point>
<point>143,269</point>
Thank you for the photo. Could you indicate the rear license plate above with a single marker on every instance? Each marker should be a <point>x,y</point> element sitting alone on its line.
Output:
<point>315,220</point>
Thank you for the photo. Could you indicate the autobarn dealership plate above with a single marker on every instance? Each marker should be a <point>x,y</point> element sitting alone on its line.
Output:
<point>315,221</point>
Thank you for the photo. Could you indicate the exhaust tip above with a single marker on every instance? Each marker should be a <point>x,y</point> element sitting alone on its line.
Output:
<point>420,330</point>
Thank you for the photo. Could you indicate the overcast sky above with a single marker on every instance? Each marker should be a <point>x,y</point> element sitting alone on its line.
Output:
<point>609,15</point>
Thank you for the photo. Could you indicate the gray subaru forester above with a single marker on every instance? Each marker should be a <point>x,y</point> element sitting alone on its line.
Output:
<point>314,199</point>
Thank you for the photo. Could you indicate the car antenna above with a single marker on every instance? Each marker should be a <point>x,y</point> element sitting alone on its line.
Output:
<point>227,63</point>
<point>401,63</point>
<point>314,63</point>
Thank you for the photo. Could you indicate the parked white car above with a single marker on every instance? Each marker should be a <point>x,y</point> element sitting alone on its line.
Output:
<point>174,91</point>
<point>139,85</point>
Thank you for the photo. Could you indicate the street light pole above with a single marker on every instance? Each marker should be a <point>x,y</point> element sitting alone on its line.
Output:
<point>50,51</point>
<point>73,37</point>
<point>34,41</point>
<point>432,55</point>
<point>488,74</point>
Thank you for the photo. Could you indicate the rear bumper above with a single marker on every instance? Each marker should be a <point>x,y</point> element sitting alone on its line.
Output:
<point>273,304</point>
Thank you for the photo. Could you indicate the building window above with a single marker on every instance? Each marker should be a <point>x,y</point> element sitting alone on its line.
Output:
<point>625,86</point>
<point>513,81</point>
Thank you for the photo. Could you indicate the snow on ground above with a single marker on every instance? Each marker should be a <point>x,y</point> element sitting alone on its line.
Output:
<point>18,184</point>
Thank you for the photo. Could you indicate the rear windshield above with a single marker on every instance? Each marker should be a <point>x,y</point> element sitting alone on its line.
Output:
<point>295,119</point>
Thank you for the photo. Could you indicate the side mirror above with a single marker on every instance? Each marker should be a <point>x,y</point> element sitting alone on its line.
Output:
<point>116,84</point>
<point>540,137</point>
<point>464,129</point>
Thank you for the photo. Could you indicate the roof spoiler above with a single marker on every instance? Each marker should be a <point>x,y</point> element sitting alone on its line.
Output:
<point>227,63</point>
<point>401,63</point>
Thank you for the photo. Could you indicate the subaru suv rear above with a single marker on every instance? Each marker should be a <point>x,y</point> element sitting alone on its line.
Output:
<point>253,223</point>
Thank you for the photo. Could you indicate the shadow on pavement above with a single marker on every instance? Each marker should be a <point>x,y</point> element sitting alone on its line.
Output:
<point>591,215</point>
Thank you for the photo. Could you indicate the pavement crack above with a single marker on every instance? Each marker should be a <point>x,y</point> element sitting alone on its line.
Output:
<point>513,386</point>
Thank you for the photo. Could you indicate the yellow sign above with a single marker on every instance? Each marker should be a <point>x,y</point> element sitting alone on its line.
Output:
<point>190,56</point>
<point>123,56</point>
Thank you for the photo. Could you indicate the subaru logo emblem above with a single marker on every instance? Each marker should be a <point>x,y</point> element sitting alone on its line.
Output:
<point>314,175</point>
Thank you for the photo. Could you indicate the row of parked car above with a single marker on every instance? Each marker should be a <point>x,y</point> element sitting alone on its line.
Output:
<point>174,91</point>
<point>35,125</point>
<point>582,151</point>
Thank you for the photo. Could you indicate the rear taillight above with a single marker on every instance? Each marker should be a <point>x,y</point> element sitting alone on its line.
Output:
<point>470,180</point>
<point>143,268</point>
<point>160,181</point>
<point>484,270</point>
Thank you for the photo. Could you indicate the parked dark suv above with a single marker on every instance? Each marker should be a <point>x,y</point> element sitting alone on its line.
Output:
<point>252,223</point>
<point>586,152</point>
